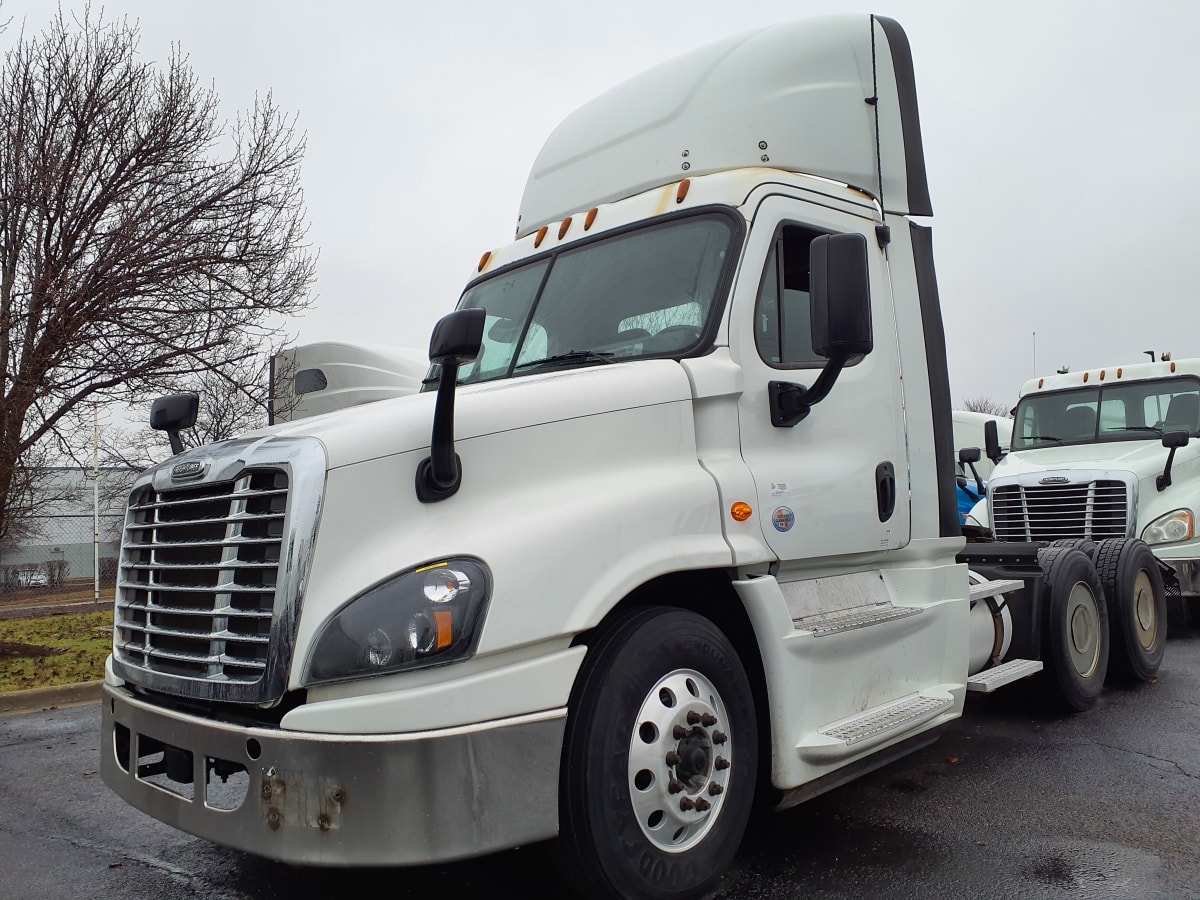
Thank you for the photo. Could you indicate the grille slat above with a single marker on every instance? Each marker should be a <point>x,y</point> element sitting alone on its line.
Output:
<point>1095,509</point>
<point>199,568</point>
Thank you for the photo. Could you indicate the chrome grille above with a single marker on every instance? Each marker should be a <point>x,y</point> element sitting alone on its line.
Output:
<point>199,568</point>
<point>1095,509</point>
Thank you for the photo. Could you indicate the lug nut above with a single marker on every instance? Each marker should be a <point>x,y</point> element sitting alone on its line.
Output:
<point>674,786</point>
<point>686,804</point>
<point>720,763</point>
<point>719,737</point>
<point>714,789</point>
<point>679,732</point>
<point>693,717</point>
<point>673,758</point>
<point>702,805</point>
<point>266,792</point>
<point>708,720</point>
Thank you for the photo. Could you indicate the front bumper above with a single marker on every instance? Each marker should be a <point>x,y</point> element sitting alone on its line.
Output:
<point>323,799</point>
<point>1188,573</point>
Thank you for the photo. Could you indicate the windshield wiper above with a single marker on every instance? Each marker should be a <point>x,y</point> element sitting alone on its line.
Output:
<point>573,356</point>
<point>1153,428</point>
<point>1044,437</point>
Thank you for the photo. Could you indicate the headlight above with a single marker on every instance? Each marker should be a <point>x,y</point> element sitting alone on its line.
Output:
<point>1177,525</point>
<point>425,617</point>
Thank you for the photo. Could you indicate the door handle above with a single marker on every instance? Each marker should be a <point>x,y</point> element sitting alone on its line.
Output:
<point>885,490</point>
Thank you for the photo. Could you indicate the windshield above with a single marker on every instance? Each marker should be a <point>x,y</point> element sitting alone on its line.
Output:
<point>652,292</point>
<point>1134,411</point>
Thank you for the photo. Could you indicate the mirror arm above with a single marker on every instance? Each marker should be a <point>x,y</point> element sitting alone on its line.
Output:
<point>791,403</point>
<point>176,441</point>
<point>978,480</point>
<point>1164,480</point>
<point>440,474</point>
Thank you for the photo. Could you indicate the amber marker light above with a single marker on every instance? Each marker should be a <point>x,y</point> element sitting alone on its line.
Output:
<point>483,260</point>
<point>1172,367</point>
<point>541,236</point>
<point>1119,371</point>
<point>444,621</point>
<point>562,229</point>
<point>591,217</point>
<point>684,186</point>
<point>741,511</point>
<point>1085,377</point>
<point>1041,381</point>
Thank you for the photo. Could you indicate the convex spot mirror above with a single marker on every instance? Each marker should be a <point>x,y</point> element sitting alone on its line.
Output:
<point>172,414</point>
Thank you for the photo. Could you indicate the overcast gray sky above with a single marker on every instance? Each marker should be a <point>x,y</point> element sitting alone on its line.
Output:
<point>1057,136</point>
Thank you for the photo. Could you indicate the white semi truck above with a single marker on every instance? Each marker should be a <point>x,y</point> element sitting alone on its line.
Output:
<point>673,526</point>
<point>1107,454</point>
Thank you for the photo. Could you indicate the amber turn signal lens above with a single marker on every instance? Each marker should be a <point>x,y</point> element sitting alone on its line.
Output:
<point>483,260</point>
<point>741,511</point>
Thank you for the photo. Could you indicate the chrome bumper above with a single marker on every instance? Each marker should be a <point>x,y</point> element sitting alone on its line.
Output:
<point>322,799</point>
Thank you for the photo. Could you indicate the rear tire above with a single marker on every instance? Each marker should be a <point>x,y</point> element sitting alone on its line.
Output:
<point>1137,608</point>
<point>1075,639</point>
<point>660,759</point>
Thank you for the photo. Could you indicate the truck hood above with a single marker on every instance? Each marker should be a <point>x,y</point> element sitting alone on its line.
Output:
<point>405,423</point>
<point>1143,458</point>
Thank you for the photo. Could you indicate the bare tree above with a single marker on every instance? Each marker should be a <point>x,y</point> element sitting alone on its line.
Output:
<point>987,405</point>
<point>132,254</point>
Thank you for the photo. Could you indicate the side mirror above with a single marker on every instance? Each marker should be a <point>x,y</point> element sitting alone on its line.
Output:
<point>840,298</point>
<point>172,414</point>
<point>968,456</point>
<point>840,292</point>
<point>456,339</point>
<point>991,440</point>
<point>1174,440</point>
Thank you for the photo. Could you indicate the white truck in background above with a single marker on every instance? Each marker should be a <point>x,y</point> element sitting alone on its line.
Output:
<point>651,564</point>
<point>1106,454</point>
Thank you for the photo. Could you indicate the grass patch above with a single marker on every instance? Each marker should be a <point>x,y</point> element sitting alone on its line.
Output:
<point>77,645</point>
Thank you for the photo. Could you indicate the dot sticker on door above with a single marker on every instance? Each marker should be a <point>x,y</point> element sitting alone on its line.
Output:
<point>783,518</point>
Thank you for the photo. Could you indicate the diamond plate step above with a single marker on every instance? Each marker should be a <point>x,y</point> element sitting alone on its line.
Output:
<point>992,588</point>
<point>1005,673</point>
<point>832,623</point>
<point>897,716</point>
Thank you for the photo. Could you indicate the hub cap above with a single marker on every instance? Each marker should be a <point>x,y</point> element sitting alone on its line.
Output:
<point>1083,629</point>
<point>680,759</point>
<point>1145,611</point>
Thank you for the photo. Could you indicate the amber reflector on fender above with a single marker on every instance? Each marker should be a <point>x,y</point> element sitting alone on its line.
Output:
<point>741,511</point>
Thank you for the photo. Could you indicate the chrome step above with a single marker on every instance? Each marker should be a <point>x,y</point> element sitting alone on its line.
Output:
<point>825,624</point>
<point>995,588</point>
<point>899,715</point>
<point>1006,673</point>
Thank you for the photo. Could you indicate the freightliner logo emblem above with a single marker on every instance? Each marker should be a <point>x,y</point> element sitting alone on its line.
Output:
<point>193,469</point>
<point>1054,479</point>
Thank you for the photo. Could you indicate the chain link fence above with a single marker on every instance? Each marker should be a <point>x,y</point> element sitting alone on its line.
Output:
<point>57,556</point>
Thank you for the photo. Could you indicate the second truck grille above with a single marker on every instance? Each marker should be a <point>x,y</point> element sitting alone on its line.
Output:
<point>1093,509</point>
<point>199,566</point>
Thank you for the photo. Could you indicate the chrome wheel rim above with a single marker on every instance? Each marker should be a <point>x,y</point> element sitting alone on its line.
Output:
<point>1144,610</point>
<point>680,760</point>
<point>1083,629</point>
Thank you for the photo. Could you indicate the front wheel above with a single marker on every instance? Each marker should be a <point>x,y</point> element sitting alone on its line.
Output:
<point>1076,637</point>
<point>659,760</point>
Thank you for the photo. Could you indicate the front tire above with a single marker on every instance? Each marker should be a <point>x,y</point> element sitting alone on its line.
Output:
<point>1137,607</point>
<point>659,759</point>
<point>1075,638</point>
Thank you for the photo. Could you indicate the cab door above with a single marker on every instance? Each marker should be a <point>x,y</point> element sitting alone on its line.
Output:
<point>836,482</point>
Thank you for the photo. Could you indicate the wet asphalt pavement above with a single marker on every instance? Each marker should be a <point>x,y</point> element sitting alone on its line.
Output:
<point>1013,801</point>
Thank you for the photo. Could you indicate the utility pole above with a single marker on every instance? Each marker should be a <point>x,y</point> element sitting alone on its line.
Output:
<point>1035,368</point>
<point>95,504</point>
